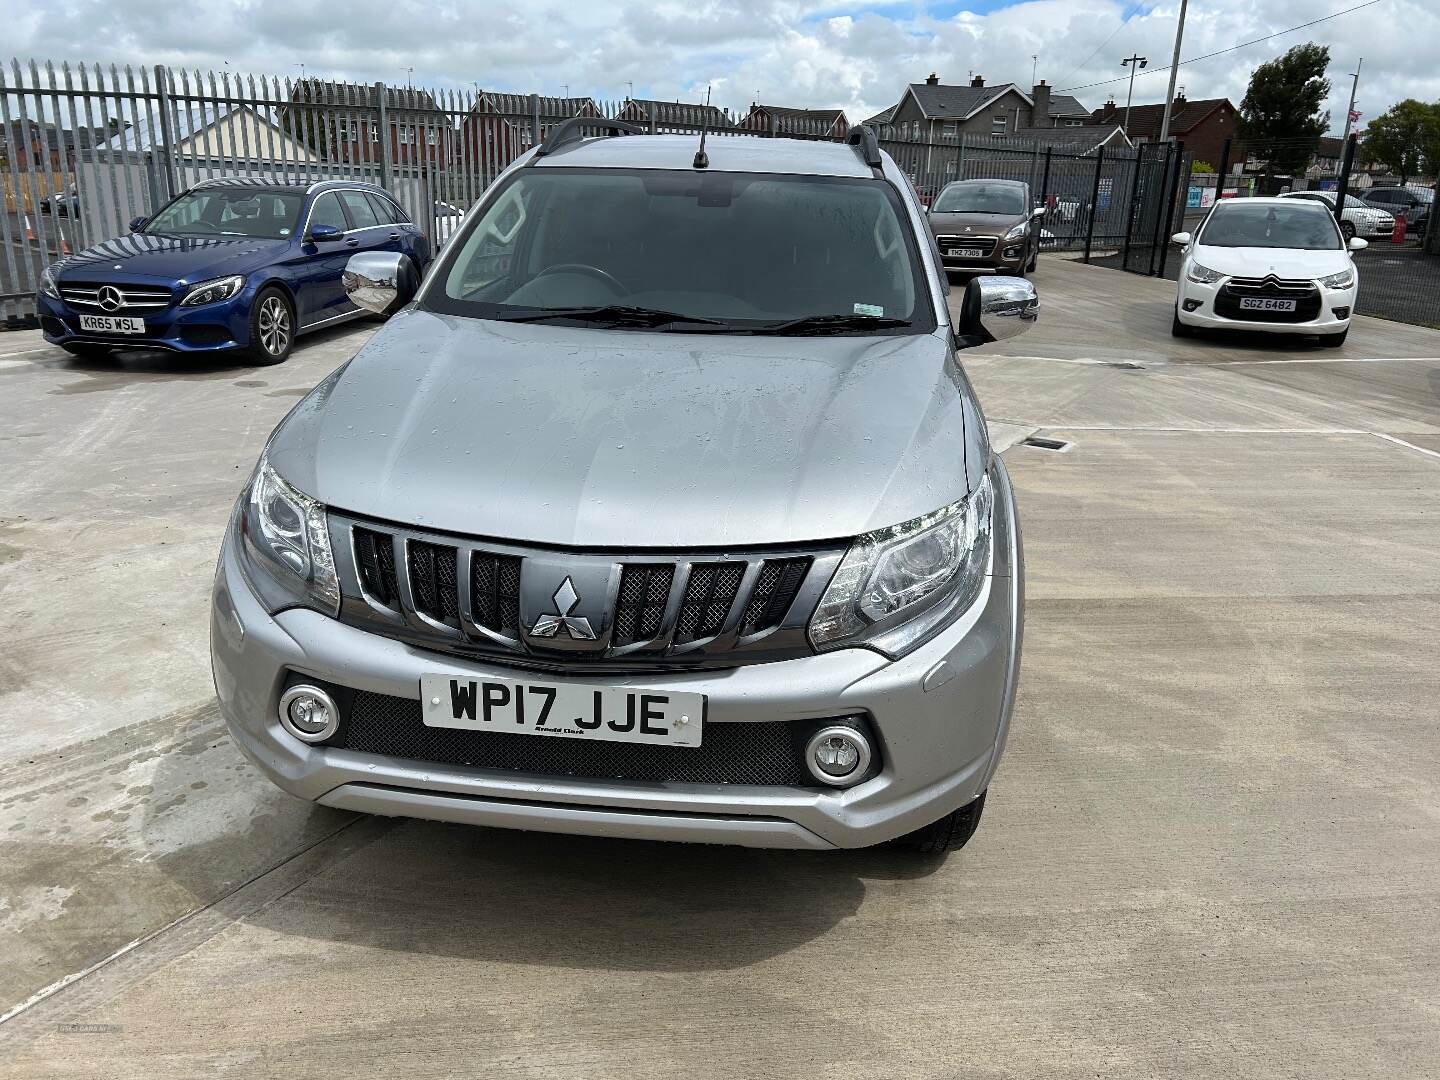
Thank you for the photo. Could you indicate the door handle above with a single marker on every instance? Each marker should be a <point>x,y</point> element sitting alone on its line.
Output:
<point>394,236</point>
<point>352,242</point>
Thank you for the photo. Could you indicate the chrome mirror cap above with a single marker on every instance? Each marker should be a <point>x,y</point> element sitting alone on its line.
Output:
<point>378,281</point>
<point>997,308</point>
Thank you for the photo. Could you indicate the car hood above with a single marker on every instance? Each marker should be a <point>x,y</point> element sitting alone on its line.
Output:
<point>1282,262</point>
<point>170,258</point>
<point>592,438</point>
<point>980,224</point>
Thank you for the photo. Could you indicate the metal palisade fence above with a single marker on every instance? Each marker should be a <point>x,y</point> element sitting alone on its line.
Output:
<point>84,149</point>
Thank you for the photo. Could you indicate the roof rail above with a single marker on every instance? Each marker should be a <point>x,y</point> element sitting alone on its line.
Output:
<point>572,130</point>
<point>862,137</point>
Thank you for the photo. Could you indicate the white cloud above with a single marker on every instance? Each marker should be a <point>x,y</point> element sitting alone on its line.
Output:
<point>798,52</point>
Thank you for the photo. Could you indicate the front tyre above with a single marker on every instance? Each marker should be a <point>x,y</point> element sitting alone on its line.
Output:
<point>1178,328</point>
<point>272,327</point>
<point>1347,230</point>
<point>950,833</point>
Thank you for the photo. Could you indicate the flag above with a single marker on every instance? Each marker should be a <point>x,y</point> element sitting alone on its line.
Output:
<point>1354,116</point>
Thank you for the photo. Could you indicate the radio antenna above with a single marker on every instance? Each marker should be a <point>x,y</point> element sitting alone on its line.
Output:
<point>702,160</point>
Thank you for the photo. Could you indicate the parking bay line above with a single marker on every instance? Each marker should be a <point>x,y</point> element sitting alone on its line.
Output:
<point>1228,431</point>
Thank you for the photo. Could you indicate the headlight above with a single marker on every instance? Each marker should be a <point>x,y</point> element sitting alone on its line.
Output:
<point>212,292</point>
<point>1018,231</point>
<point>48,285</point>
<point>1342,280</point>
<point>898,586</point>
<point>1203,275</point>
<point>287,541</point>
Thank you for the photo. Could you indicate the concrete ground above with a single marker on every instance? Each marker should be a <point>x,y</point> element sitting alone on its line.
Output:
<point>1211,849</point>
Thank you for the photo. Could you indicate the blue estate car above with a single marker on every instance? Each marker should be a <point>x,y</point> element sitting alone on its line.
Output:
<point>239,263</point>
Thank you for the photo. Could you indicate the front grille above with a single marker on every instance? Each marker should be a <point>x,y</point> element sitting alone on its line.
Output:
<point>985,244</point>
<point>86,294</point>
<point>1304,293</point>
<point>709,594</point>
<point>433,581</point>
<point>495,592</point>
<point>648,609</point>
<point>644,592</point>
<point>765,753</point>
<point>773,594</point>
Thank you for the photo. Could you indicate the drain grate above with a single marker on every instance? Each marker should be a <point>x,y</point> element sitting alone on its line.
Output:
<point>1058,446</point>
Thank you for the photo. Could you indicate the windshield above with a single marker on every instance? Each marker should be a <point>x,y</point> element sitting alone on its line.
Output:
<point>1306,226</point>
<point>981,198</point>
<point>270,215</point>
<point>724,252</point>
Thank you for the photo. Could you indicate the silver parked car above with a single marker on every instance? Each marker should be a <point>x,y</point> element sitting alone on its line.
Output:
<point>663,509</point>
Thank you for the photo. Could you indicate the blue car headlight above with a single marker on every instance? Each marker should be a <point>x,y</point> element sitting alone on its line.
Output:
<point>212,292</point>
<point>897,587</point>
<point>48,284</point>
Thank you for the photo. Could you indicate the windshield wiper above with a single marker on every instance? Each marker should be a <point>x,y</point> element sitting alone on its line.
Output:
<point>614,314</point>
<point>828,324</point>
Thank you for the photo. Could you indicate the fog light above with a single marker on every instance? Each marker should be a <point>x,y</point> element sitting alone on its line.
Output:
<point>1341,312</point>
<point>837,755</point>
<point>1191,305</point>
<point>1010,253</point>
<point>308,713</point>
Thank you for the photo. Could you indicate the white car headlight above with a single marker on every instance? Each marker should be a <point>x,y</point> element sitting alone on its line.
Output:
<point>897,586</point>
<point>287,541</point>
<point>1203,275</point>
<point>212,292</point>
<point>1017,231</point>
<point>48,284</point>
<point>1343,280</point>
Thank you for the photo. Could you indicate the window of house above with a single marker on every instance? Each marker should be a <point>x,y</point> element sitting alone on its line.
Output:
<point>374,132</point>
<point>949,131</point>
<point>430,136</point>
<point>997,125</point>
<point>1074,123</point>
<point>407,135</point>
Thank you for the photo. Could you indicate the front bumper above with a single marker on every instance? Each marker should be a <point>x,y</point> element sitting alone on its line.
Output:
<point>1007,257</point>
<point>940,716</point>
<point>1204,315</point>
<point>208,328</point>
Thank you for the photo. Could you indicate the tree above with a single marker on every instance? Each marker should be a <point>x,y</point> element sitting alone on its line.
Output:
<point>1280,115</point>
<point>1405,138</point>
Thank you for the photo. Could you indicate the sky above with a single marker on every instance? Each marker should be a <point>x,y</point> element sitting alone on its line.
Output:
<point>785,52</point>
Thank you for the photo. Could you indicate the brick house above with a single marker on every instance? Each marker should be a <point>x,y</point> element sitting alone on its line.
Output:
<point>37,146</point>
<point>500,127</point>
<point>933,111</point>
<point>675,115</point>
<point>823,123</point>
<point>348,127</point>
<point>1202,125</point>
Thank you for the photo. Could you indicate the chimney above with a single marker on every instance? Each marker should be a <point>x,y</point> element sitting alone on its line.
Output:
<point>933,80</point>
<point>978,80</point>
<point>1180,98</point>
<point>1040,115</point>
<point>1109,111</point>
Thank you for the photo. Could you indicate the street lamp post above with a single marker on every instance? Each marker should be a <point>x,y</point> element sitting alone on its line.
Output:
<point>1174,70</point>
<point>1134,63</point>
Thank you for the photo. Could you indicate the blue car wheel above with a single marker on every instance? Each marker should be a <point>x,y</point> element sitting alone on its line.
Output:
<point>272,327</point>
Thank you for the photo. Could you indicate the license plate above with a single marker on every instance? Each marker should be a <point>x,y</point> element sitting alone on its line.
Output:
<point>562,710</point>
<point>965,253</point>
<point>111,324</point>
<point>1265,303</point>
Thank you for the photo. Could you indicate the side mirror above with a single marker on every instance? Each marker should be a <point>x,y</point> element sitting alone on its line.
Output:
<point>138,223</point>
<point>1358,243</point>
<point>1038,212</point>
<point>1181,238</point>
<point>379,281</point>
<point>996,308</point>
<point>325,234</point>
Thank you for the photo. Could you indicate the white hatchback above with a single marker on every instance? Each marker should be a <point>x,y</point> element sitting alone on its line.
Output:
<point>1279,266</point>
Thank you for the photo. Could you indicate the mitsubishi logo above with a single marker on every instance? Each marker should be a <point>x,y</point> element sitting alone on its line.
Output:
<point>110,298</point>
<point>577,626</point>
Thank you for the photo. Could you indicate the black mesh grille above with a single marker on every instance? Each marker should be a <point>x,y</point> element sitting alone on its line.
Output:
<point>1307,304</point>
<point>433,581</point>
<point>708,596</point>
<point>375,554</point>
<point>644,589</point>
<point>495,592</point>
<point>767,752</point>
<point>774,592</point>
